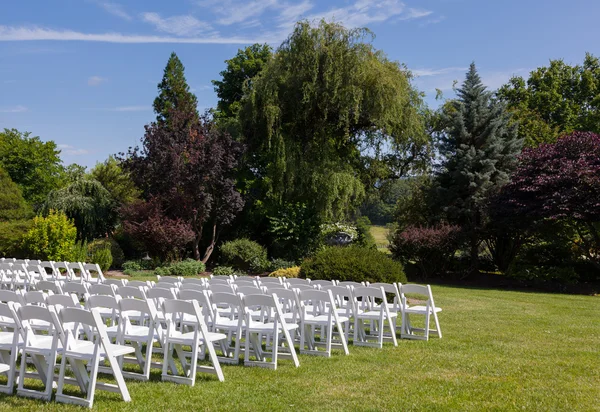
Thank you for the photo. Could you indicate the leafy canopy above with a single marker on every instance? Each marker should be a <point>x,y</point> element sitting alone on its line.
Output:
<point>32,164</point>
<point>325,93</point>
<point>555,100</point>
<point>116,180</point>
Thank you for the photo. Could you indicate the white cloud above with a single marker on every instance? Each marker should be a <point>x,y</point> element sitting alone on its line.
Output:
<point>96,80</point>
<point>72,151</point>
<point>364,12</point>
<point>114,9</point>
<point>433,20</point>
<point>11,33</point>
<point>177,25</point>
<point>437,72</point>
<point>15,109</point>
<point>240,11</point>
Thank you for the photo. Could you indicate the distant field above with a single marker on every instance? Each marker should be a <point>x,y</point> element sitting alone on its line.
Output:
<point>380,234</point>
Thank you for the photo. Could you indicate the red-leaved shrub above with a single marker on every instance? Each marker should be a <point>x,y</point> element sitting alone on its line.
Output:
<point>430,248</point>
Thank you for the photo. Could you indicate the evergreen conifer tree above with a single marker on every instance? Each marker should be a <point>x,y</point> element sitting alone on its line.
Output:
<point>174,92</point>
<point>479,146</point>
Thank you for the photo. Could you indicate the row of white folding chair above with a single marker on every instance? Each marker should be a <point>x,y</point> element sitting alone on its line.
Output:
<point>42,348</point>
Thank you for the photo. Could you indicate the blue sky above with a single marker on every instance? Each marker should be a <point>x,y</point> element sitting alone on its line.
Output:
<point>84,72</point>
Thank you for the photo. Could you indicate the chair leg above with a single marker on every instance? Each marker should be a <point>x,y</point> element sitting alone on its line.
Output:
<point>427,318</point>
<point>437,325</point>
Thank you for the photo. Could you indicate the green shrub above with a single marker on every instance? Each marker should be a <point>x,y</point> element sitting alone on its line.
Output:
<point>80,252</point>
<point>223,271</point>
<point>245,254</point>
<point>132,265</point>
<point>188,267</point>
<point>118,257</point>
<point>365,237</point>
<point>50,238</point>
<point>289,273</point>
<point>352,263</point>
<point>11,237</point>
<point>277,264</point>
<point>103,257</point>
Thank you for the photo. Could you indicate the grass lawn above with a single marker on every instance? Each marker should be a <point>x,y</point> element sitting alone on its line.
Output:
<point>380,234</point>
<point>501,350</point>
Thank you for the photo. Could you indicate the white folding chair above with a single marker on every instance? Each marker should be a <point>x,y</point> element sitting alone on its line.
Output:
<point>41,348</point>
<point>321,283</point>
<point>323,316</point>
<point>196,338</point>
<point>295,281</point>
<point>231,322</point>
<point>62,272</point>
<point>267,280</point>
<point>391,289</point>
<point>81,352</point>
<point>345,305</point>
<point>100,289</point>
<point>79,289</point>
<point>92,273</point>
<point>10,342</point>
<point>116,282</point>
<point>428,310</point>
<point>108,308</point>
<point>51,287</point>
<point>270,324</point>
<point>374,313</point>
<point>347,283</point>
<point>76,272</point>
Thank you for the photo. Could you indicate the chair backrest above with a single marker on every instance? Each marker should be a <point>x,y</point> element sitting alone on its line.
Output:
<point>168,279</point>
<point>365,298</point>
<point>174,309</point>
<point>77,272</point>
<point>99,289</point>
<point>132,292</point>
<point>320,302</point>
<point>267,280</point>
<point>347,283</point>
<point>195,281</point>
<point>116,282</point>
<point>137,307</point>
<point>192,286</point>
<point>422,290</point>
<point>301,287</point>
<point>223,288</point>
<point>48,266</point>
<point>390,288</point>
<point>36,272</point>
<point>296,281</point>
<point>26,314</point>
<point>288,299</point>
<point>220,281</point>
<point>221,277</point>
<point>139,283</point>
<point>322,283</point>
<point>156,293</point>
<point>267,306</point>
<point>35,297</point>
<point>226,300</point>
<point>93,272</point>
<point>344,298</point>
<point>245,283</point>
<point>66,301</point>
<point>49,286</point>
<point>250,290</point>
<point>11,296</point>
<point>79,289</point>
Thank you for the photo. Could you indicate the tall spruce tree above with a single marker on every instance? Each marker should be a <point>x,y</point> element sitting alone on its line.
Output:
<point>480,146</point>
<point>174,92</point>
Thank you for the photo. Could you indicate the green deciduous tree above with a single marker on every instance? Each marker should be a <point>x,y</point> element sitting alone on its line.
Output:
<point>88,204</point>
<point>555,100</point>
<point>15,215</point>
<point>480,146</point>
<point>325,94</point>
<point>116,180</point>
<point>32,164</point>
<point>174,92</point>
<point>238,75</point>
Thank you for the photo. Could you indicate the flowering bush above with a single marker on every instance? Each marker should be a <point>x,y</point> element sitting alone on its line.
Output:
<point>431,248</point>
<point>289,273</point>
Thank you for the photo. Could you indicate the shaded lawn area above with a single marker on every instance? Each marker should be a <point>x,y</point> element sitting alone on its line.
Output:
<point>501,350</point>
<point>380,234</point>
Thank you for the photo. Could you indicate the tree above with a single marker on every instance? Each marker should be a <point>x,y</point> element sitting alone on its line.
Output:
<point>480,146</point>
<point>187,166</point>
<point>160,235</point>
<point>51,238</point>
<point>116,180</point>
<point>238,75</point>
<point>324,95</point>
<point>559,182</point>
<point>88,204</point>
<point>15,215</point>
<point>174,92</point>
<point>555,100</point>
<point>32,164</point>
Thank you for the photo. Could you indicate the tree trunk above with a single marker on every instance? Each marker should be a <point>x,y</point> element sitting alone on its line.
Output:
<point>197,239</point>
<point>211,247</point>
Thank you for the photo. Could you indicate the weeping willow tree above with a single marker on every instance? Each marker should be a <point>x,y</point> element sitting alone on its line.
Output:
<point>325,97</point>
<point>88,204</point>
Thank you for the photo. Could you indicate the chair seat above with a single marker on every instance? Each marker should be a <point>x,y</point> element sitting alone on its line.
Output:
<point>137,332</point>
<point>227,324</point>
<point>4,367</point>
<point>42,345</point>
<point>268,327</point>
<point>420,309</point>
<point>187,338</point>
<point>374,315</point>
<point>6,321</point>
<point>85,350</point>
<point>323,319</point>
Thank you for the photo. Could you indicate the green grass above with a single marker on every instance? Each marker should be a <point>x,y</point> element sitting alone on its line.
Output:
<point>380,234</point>
<point>501,350</point>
